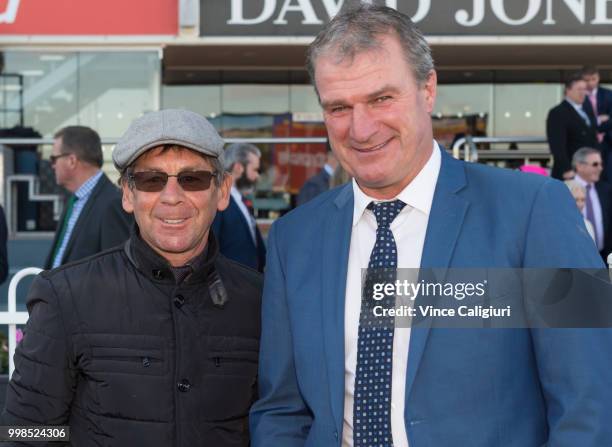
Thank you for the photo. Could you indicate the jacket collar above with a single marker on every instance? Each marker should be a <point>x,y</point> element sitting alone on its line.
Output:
<point>156,268</point>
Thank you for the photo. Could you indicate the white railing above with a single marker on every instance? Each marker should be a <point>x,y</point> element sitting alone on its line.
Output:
<point>12,317</point>
<point>471,153</point>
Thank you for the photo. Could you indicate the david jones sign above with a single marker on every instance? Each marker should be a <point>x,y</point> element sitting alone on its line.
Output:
<point>434,17</point>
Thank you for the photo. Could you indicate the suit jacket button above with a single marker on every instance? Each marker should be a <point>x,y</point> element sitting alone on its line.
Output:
<point>184,386</point>
<point>179,300</point>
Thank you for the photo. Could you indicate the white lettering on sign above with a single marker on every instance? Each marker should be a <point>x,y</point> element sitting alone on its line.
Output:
<point>578,8</point>
<point>10,13</point>
<point>303,6</point>
<point>463,17</point>
<point>238,16</point>
<point>332,7</point>
<point>278,10</point>
<point>500,12</point>
<point>422,10</point>
<point>601,13</point>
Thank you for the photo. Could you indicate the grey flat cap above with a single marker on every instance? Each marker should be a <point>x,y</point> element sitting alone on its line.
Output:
<point>170,126</point>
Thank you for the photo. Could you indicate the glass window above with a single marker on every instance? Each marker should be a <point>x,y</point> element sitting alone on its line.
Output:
<point>521,109</point>
<point>115,88</point>
<point>49,89</point>
<point>202,99</point>
<point>255,99</point>
<point>303,99</point>
<point>462,109</point>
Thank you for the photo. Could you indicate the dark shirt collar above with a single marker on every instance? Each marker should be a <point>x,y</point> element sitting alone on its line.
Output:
<point>157,268</point>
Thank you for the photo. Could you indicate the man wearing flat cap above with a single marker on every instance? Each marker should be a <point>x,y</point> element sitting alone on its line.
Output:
<point>155,342</point>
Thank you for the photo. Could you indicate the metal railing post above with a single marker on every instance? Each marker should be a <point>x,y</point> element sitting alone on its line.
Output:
<point>12,317</point>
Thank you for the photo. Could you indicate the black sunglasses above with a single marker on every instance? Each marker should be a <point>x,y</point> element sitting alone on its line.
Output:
<point>594,164</point>
<point>53,158</point>
<point>154,181</point>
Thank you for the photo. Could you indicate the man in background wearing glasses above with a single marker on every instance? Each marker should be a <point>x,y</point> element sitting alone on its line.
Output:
<point>93,219</point>
<point>588,165</point>
<point>155,342</point>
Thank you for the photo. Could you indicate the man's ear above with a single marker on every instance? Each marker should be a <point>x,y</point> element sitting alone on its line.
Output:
<point>237,170</point>
<point>127,199</point>
<point>224,192</point>
<point>430,90</point>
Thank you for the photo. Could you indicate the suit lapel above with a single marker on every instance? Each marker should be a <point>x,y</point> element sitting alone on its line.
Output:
<point>576,116</point>
<point>243,219</point>
<point>445,221</point>
<point>336,244</point>
<point>83,217</point>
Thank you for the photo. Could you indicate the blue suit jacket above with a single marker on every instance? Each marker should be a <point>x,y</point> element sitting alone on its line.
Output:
<point>464,387</point>
<point>235,242</point>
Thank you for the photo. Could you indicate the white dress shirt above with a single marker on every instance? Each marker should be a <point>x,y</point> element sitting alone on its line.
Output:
<point>237,196</point>
<point>408,229</point>
<point>598,224</point>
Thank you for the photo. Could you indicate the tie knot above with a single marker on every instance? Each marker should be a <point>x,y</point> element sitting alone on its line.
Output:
<point>386,212</point>
<point>589,186</point>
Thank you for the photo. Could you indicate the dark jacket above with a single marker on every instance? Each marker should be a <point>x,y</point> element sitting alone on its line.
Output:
<point>235,240</point>
<point>126,357</point>
<point>567,132</point>
<point>604,192</point>
<point>314,186</point>
<point>102,224</point>
<point>4,264</point>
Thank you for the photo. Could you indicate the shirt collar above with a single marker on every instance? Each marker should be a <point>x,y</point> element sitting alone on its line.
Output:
<point>236,194</point>
<point>417,194</point>
<point>581,181</point>
<point>87,186</point>
<point>327,168</point>
<point>573,104</point>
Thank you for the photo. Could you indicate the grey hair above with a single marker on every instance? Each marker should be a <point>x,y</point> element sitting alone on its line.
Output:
<point>216,164</point>
<point>574,186</point>
<point>238,153</point>
<point>581,155</point>
<point>358,29</point>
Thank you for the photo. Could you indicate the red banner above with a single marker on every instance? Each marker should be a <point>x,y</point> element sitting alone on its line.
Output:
<point>88,17</point>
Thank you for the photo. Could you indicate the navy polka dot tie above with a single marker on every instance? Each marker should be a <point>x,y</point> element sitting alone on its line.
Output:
<point>372,402</point>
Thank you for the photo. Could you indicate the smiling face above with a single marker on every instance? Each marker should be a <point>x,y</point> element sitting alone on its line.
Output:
<point>590,169</point>
<point>378,117</point>
<point>577,91</point>
<point>175,222</point>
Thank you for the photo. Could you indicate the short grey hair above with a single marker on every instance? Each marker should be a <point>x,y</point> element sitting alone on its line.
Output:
<point>358,29</point>
<point>238,153</point>
<point>216,163</point>
<point>581,155</point>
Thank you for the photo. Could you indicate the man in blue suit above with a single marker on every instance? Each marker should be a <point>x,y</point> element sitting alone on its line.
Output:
<point>235,228</point>
<point>320,182</point>
<point>431,387</point>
